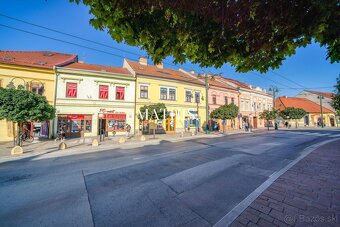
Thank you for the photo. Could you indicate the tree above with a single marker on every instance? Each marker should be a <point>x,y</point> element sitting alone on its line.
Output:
<point>336,98</point>
<point>268,115</point>
<point>20,106</point>
<point>225,112</point>
<point>250,35</point>
<point>160,108</point>
<point>293,113</point>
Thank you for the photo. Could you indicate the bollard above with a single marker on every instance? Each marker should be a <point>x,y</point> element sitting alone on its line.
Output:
<point>62,146</point>
<point>122,140</point>
<point>182,134</point>
<point>95,143</point>
<point>193,133</point>
<point>142,138</point>
<point>17,150</point>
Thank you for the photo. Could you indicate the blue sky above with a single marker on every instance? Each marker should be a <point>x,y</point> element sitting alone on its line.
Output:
<point>308,67</point>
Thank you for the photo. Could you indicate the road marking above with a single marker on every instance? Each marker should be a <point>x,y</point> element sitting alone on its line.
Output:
<point>230,217</point>
<point>137,158</point>
<point>336,135</point>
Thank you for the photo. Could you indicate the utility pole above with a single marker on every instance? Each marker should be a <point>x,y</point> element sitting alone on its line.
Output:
<point>207,103</point>
<point>274,90</point>
<point>321,97</point>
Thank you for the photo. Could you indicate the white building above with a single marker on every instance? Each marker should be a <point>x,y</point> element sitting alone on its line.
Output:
<point>92,96</point>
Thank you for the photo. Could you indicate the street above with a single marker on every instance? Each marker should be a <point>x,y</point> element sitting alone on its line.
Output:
<point>189,183</point>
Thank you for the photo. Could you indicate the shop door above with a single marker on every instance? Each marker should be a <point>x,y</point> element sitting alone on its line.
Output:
<point>171,125</point>
<point>332,121</point>
<point>255,122</point>
<point>101,126</point>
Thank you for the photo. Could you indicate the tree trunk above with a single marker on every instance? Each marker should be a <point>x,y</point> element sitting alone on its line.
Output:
<point>18,135</point>
<point>296,123</point>
<point>268,124</point>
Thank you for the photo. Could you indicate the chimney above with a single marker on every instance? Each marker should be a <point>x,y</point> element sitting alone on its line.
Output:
<point>192,71</point>
<point>81,62</point>
<point>160,65</point>
<point>143,61</point>
<point>285,96</point>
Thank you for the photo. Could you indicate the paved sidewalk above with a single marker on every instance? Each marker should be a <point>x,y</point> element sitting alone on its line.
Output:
<point>308,194</point>
<point>48,146</point>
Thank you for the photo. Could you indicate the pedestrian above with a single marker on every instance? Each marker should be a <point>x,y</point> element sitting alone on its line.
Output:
<point>246,125</point>
<point>128,129</point>
<point>286,124</point>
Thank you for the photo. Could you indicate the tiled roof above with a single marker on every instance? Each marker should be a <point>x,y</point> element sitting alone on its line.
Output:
<point>98,68</point>
<point>218,83</point>
<point>325,94</point>
<point>154,71</point>
<point>236,82</point>
<point>39,59</point>
<point>309,106</point>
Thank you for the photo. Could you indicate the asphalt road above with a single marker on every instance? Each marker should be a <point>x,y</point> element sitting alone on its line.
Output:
<point>189,183</point>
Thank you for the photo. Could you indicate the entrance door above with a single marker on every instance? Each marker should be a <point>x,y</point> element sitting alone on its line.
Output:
<point>306,120</point>
<point>255,122</point>
<point>171,124</point>
<point>332,121</point>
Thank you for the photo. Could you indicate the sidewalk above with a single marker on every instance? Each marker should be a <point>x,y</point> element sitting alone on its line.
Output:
<point>48,146</point>
<point>308,194</point>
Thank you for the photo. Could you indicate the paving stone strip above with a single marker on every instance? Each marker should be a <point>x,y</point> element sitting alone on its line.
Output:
<point>308,194</point>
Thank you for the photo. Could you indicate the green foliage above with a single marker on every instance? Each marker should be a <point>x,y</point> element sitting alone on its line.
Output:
<point>225,112</point>
<point>269,114</point>
<point>336,98</point>
<point>19,105</point>
<point>159,107</point>
<point>250,35</point>
<point>293,113</point>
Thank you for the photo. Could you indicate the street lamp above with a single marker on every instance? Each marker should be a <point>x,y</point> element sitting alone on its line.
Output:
<point>321,97</point>
<point>101,115</point>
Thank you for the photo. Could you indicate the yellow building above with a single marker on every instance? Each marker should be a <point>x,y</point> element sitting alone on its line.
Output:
<point>33,70</point>
<point>183,95</point>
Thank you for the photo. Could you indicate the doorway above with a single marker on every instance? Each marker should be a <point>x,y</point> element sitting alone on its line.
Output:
<point>255,122</point>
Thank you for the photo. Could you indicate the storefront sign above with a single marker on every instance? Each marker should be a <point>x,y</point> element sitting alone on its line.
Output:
<point>73,116</point>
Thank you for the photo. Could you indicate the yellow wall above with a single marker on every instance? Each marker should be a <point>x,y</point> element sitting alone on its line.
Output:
<point>179,104</point>
<point>29,74</point>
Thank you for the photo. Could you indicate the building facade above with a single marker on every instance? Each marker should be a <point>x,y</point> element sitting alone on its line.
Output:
<point>314,97</point>
<point>93,98</point>
<point>33,70</point>
<point>252,102</point>
<point>182,94</point>
<point>313,116</point>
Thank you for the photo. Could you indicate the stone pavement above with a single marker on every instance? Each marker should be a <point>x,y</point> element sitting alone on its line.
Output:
<point>308,194</point>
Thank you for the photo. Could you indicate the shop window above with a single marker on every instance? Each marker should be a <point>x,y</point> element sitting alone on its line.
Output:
<point>103,91</point>
<point>164,93</point>
<point>172,94</point>
<point>37,88</point>
<point>120,93</point>
<point>115,122</point>
<point>73,124</point>
<point>71,90</point>
<point>214,99</point>
<point>188,96</point>
<point>197,97</point>
<point>225,100</point>
<point>144,91</point>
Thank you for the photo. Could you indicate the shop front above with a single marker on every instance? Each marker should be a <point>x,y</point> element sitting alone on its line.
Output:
<point>111,123</point>
<point>74,124</point>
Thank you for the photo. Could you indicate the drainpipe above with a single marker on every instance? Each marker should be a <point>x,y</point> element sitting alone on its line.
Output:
<point>55,99</point>
<point>134,109</point>
<point>207,103</point>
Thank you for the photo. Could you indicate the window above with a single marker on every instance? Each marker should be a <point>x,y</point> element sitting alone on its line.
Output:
<point>247,105</point>
<point>37,88</point>
<point>214,99</point>
<point>188,96</point>
<point>103,91</point>
<point>242,105</point>
<point>164,93</point>
<point>172,94</point>
<point>71,90</point>
<point>120,93</point>
<point>226,100</point>
<point>264,106</point>
<point>232,100</point>
<point>144,91</point>
<point>197,97</point>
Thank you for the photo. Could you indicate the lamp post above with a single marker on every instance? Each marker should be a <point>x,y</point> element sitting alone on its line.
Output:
<point>322,123</point>
<point>100,125</point>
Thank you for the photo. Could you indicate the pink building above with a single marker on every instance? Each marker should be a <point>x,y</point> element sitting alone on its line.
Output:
<point>220,93</point>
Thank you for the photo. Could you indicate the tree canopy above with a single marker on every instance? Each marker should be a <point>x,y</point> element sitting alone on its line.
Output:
<point>269,115</point>
<point>336,98</point>
<point>293,113</point>
<point>19,105</point>
<point>225,112</point>
<point>250,35</point>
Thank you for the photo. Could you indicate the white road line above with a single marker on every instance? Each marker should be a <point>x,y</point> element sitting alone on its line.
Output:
<point>336,135</point>
<point>239,208</point>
